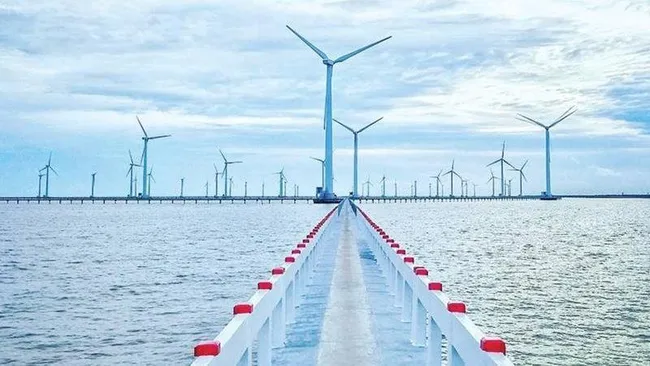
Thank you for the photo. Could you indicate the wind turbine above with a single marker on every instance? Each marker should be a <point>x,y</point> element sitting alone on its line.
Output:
<point>130,172</point>
<point>322,170</point>
<point>47,169</point>
<point>231,185</point>
<point>356,151</point>
<point>182,186</point>
<point>40,178</point>
<point>502,160</point>
<point>383,185</point>
<point>438,182</point>
<point>510,187</point>
<point>143,160</point>
<point>225,172</point>
<point>474,184</point>
<point>207,187</point>
<point>216,180</point>
<point>282,182</point>
<point>492,179</point>
<point>151,178</point>
<point>451,173</point>
<point>395,188</point>
<point>328,188</point>
<point>92,189</point>
<point>521,176</point>
<point>564,116</point>
<point>367,183</point>
<point>463,187</point>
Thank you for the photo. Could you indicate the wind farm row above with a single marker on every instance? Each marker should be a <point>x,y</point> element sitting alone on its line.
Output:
<point>325,192</point>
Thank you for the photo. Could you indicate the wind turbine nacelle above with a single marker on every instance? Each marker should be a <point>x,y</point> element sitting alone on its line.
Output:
<point>328,62</point>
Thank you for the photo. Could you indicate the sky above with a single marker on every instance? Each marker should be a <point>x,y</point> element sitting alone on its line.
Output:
<point>229,75</point>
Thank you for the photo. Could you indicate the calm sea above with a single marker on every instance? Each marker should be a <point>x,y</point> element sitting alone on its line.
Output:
<point>565,283</point>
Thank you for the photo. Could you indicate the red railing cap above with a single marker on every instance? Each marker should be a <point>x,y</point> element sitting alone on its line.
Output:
<point>435,286</point>
<point>265,285</point>
<point>456,307</point>
<point>242,308</point>
<point>207,348</point>
<point>493,344</point>
<point>277,271</point>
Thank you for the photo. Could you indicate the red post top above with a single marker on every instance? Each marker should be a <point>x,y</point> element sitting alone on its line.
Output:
<point>295,251</point>
<point>306,241</point>
<point>277,271</point>
<point>265,285</point>
<point>394,245</point>
<point>409,260</point>
<point>302,245</point>
<point>401,251</point>
<point>390,240</point>
<point>493,344</point>
<point>207,348</point>
<point>421,272</point>
<point>435,286</point>
<point>310,236</point>
<point>242,308</point>
<point>385,237</point>
<point>289,259</point>
<point>456,307</point>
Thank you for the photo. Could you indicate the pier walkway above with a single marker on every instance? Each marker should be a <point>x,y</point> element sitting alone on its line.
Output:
<point>350,295</point>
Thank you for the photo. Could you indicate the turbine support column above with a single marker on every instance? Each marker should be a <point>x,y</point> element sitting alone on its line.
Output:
<point>328,191</point>
<point>548,163</point>
<point>356,165</point>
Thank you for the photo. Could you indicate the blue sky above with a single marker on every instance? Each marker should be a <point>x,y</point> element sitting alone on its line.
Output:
<point>228,74</point>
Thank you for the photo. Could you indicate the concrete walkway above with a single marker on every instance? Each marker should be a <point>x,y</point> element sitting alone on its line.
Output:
<point>347,316</point>
<point>346,337</point>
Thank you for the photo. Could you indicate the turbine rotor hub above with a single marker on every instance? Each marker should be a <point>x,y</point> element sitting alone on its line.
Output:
<point>328,62</point>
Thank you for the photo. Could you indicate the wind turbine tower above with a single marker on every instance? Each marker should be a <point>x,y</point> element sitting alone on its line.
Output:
<point>383,185</point>
<point>451,173</point>
<point>356,151</point>
<point>151,178</point>
<point>143,161</point>
<point>502,160</point>
<point>216,180</point>
<point>548,195</point>
<point>492,179</point>
<point>92,188</point>
<point>226,162</point>
<point>47,169</point>
<point>130,172</point>
<point>40,179</point>
<point>281,183</point>
<point>522,177</point>
<point>328,188</point>
<point>182,186</point>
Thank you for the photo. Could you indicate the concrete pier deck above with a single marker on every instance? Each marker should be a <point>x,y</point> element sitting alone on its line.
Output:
<point>347,316</point>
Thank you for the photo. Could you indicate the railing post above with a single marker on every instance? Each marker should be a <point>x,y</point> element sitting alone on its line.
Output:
<point>264,344</point>
<point>407,305</point>
<point>418,322</point>
<point>434,344</point>
<point>399,284</point>
<point>279,325</point>
<point>290,307</point>
<point>453,357</point>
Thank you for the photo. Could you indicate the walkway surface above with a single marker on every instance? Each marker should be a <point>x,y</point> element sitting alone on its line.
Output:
<point>347,315</point>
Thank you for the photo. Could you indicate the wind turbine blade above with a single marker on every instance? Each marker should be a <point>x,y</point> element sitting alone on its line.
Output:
<point>129,171</point>
<point>159,137</point>
<point>223,156</point>
<point>566,112</point>
<point>348,128</point>
<point>345,57</point>
<point>57,174</point>
<point>314,48</point>
<point>506,161</point>
<point>131,156</point>
<point>142,127</point>
<point>317,159</point>
<point>153,179</point>
<point>49,160</point>
<point>523,118</point>
<point>503,150</point>
<point>566,115</point>
<point>235,162</point>
<point>449,172</point>
<point>523,175</point>
<point>141,156</point>
<point>523,166</point>
<point>215,168</point>
<point>494,162</point>
<point>367,126</point>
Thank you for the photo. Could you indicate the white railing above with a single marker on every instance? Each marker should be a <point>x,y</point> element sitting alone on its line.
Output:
<point>266,314</point>
<point>430,311</point>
